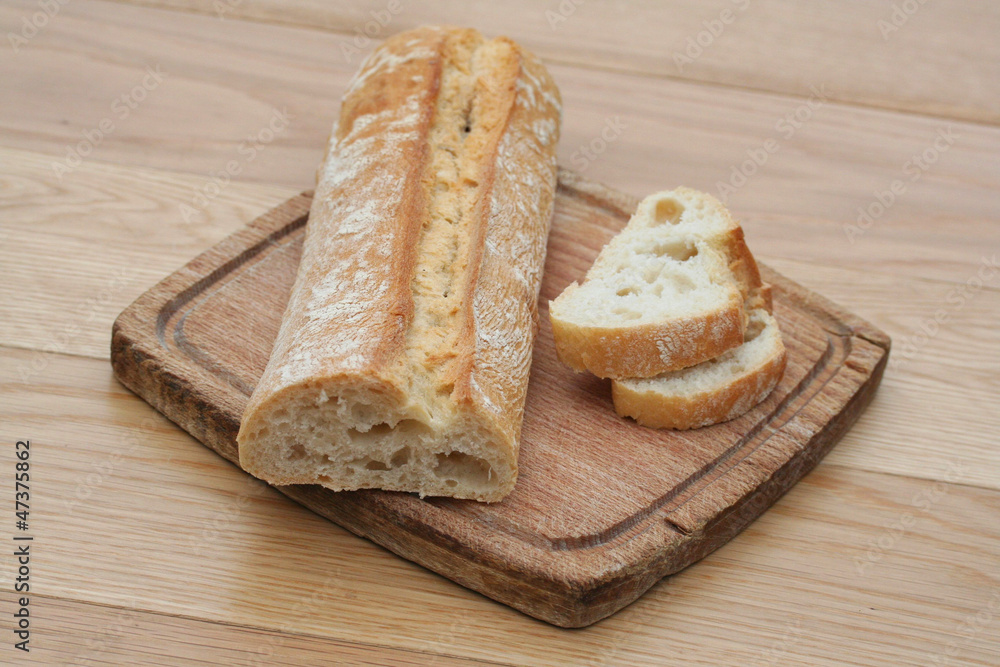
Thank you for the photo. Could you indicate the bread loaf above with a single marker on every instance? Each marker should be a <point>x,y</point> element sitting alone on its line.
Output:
<point>402,360</point>
<point>666,293</point>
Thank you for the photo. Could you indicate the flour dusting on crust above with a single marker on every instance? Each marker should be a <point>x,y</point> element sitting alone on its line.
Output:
<point>403,357</point>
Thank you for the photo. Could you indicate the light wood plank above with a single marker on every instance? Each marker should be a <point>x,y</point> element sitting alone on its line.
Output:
<point>224,78</point>
<point>81,250</point>
<point>934,58</point>
<point>68,632</point>
<point>934,386</point>
<point>184,520</point>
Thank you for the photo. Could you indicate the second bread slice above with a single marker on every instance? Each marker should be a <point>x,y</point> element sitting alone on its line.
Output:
<point>713,391</point>
<point>665,294</point>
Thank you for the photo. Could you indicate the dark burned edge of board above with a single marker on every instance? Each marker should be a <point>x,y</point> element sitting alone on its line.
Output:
<point>139,357</point>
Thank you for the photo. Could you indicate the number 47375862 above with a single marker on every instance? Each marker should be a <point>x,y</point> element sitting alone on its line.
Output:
<point>21,478</point>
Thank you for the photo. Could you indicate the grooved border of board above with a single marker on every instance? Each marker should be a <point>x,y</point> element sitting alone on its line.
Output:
<point>566,582</point>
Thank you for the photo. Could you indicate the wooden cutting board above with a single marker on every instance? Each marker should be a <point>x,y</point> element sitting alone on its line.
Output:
<point>603,508</point>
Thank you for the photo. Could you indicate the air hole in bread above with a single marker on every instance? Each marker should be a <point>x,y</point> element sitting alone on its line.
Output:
<point>364,462</point>
<point>373,433</point>
<point>362,414</point>
<point>400,457</point>
<point>667,211</point>
<point>754,329</point>
<point>683,283</point>
<point>625,291</point>
<point>626,313</point>
<point>297,453</point>
<point>462,467</point>
<point>385,432</point>
<point>680,251</point>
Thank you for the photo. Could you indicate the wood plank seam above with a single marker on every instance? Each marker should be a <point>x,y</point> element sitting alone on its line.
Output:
<point>264,629</point>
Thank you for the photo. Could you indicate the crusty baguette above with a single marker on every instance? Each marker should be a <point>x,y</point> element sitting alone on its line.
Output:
<point>716,390</point>
<point>402,359</point>
<point>666,293</point>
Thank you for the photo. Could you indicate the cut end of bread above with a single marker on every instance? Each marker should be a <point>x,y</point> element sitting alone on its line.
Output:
<point>666,293</point>
<point>348,440</point>
<point>714,391</point>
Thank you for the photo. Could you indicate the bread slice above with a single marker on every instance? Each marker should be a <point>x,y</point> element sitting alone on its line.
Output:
<point>713,391</point>
<point>403,356</point>
<point>666,293</point>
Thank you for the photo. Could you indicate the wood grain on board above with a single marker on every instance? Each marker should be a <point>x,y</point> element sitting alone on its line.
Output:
<point>603,508</point>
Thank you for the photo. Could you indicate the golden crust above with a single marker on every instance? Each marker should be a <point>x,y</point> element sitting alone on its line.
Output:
<point>648,350</point>
<point>741,261</point>
<point>422,262</point>
<point>702,409</point>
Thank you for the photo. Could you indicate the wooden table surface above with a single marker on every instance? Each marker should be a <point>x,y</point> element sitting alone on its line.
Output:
<point>859,144</point>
